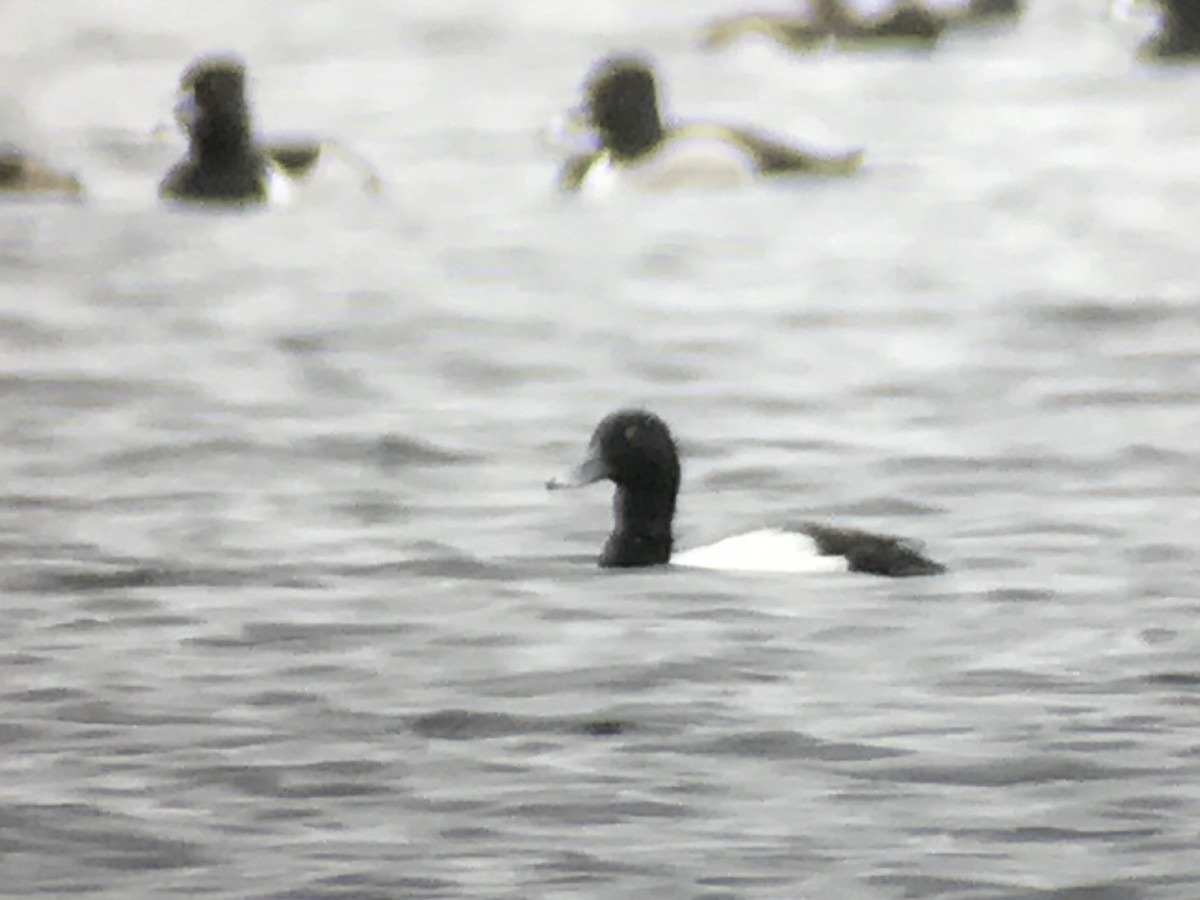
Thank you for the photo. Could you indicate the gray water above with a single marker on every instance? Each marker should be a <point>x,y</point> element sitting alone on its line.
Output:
<point>287,612</point>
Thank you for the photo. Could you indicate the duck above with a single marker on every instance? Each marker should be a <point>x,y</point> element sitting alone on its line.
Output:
<point>633,149</point>
<point>225,163</point>
<point>634,449</point>
<point>24,176</point>
<point>830,22</point>
<point>906,23</point>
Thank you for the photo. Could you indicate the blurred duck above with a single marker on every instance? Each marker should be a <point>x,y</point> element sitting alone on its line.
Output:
<point>21,175</point>
<point>632,149</point>
<point>635,451</point>
<point>225,164</point>
<point>905,24</point>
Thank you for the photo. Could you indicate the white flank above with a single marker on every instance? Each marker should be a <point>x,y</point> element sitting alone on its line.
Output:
<point>603,178</point>
<point>680,164</point>
<point>768,550</point>
<point>281,190</point>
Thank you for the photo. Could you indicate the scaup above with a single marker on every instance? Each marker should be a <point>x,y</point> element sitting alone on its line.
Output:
<point>636,150</point>
<point>22,175</point>
<point>226,163</point>
<point>223,165</point>
<point>906,23</point>
<point>634,450</point>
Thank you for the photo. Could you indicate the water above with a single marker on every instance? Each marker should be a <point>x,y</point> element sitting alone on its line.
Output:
<point>288,613</point>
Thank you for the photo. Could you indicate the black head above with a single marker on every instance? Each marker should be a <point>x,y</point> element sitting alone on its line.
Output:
<point>637,451</point>
<point>1182,16</point>
<point>634,450</point>
<point>214,111</point>
<point>622,105</point>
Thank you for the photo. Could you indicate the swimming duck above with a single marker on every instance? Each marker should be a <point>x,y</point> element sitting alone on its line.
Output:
<point>22,175</point>
<point>225,163</point>
<point>636,150</point>
<point>634,450</point>
<point>906,23</point>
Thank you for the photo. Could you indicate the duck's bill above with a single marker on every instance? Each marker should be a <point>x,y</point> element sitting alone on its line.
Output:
<point>587,472</point>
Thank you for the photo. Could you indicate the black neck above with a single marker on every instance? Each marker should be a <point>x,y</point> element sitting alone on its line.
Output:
<point>223,135</point>
<point>634,128</point>
<point>641,528</point>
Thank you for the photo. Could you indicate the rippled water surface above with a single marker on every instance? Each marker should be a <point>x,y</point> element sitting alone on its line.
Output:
<point>288,613</point>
